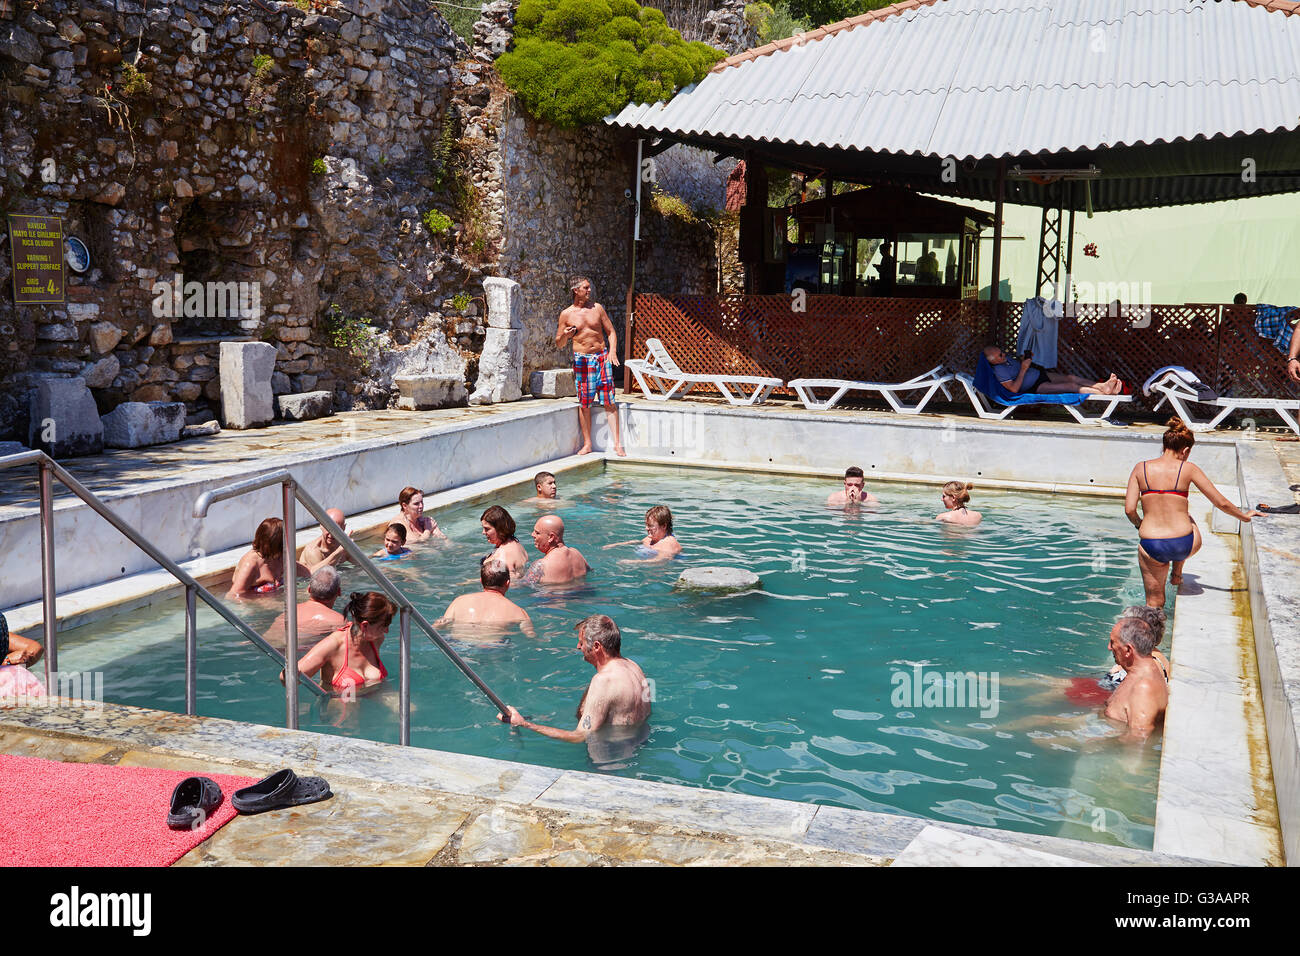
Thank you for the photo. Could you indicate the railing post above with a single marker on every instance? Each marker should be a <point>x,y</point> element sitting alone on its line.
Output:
<point>290,559</point>
<point>191,652</point>
<point>47,574</point>
<point>404,678</point>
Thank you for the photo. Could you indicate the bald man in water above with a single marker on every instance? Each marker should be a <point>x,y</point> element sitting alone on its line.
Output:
<point>489,607</point>
<point>325,550</point>
<point>559,563</point>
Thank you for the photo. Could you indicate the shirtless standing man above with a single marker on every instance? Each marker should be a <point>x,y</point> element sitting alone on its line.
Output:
<point>587,324</point>
<point>1141,699</point>
<point>618,696</point>
<point>559,563</point>
<point>490,606</point>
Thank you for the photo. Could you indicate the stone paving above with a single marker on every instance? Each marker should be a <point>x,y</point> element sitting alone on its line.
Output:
<point>1289,454</point>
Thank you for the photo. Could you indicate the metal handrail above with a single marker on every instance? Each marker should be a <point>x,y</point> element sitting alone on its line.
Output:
<point>50,469</point>
<point>407,610</point>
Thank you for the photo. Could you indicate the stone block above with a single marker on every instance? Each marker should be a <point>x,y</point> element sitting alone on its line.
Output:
<point>419,392</point>
<point>500,368</point>
<point>552,383</point>
<point>504,303</point>
<point>104,337</point>
<point>101,374</point>
<point>305,405</point>
<point>198,431</point>
<point>64,420</point>
<point>11,448</point>
<point>137,424</point>
<point>245,376</point>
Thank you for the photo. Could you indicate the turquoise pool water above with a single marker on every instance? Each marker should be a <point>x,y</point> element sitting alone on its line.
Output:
<point>803,690</point>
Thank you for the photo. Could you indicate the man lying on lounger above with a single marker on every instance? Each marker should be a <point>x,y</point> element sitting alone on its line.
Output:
<point>1024,377</point>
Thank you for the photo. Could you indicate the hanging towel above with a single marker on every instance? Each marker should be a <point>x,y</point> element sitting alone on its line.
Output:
<point>1272,322</point>
<point>1039,325</point>
<point>1203,392</point>
<point>987,382</point>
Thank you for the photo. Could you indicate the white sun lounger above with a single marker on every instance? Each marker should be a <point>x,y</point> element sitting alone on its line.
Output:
<point>984,408</point>
<point>931,381</point>
<point>1179,394</point>
<point>659,368</point>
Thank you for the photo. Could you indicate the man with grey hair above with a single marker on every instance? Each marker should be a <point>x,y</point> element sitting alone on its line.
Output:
<point>587,325</point>
<point>1154,618</point>
<point>1140,701</point>
<point>316,616</point>
<point>618,696</point>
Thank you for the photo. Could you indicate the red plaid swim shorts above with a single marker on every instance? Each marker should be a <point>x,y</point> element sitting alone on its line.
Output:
<point>593,377</point>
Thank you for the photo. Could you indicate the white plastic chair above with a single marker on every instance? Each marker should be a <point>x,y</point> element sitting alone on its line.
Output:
<point>1179,394</point>
<point>985,409</point>
<point>659,368</point>
<point>932,381</point>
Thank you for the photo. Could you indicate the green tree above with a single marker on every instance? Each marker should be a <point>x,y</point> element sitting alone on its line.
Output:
<point>576,61</point>
<point>821,13</point>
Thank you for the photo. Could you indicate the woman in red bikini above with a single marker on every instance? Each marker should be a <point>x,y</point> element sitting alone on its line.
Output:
<point>1167,535</point>
<point>349,658</point>
<point>261,570</point>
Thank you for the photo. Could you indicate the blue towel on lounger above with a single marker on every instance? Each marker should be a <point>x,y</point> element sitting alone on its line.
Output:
<point>988,383</point>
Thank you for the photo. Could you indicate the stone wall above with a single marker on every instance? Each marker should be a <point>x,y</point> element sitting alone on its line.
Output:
<point>292,151</point>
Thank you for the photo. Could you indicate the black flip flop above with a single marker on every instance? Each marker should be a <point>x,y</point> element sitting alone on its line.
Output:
<point>193,801</point>
<point>1279,510</point>
<point>284,788</point>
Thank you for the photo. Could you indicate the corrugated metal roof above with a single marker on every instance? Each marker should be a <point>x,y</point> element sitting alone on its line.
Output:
<point>988,78</point>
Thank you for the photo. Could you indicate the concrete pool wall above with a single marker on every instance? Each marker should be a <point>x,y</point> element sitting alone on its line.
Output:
<point>1042,457</point>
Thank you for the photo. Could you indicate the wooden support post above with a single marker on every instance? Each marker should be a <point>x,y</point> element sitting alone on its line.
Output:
<point>995,291</point>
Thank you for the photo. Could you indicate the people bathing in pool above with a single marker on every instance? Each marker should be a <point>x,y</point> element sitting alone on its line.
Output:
<point>316,615</point>
<point>854,492</point>
<point>261,570</point>
<point>547,492</point>
<point>1091,690</point>
<point>659,543</point>
<point>559,563</point>
<point>1167,534</point>
<point>419,526</point>
<point>618,696</point>
<point>956,495</point>
<point>489,607</point>
<point>394,543</point>
<point>1024,376</point>
<point>499,530</point>
<point>325,549</point>
<point>348,657</point>
<point>1140,700</point>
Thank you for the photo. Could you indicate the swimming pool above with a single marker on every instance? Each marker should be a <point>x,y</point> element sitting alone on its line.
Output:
<point>802,690</point>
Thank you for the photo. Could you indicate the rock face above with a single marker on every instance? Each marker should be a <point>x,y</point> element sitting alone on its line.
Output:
<point>718,579</point>
<point>246,398</point>
<point>64,421</point>
<point>552,383</point>
<point>305,406</point>
<point>421,392</point>
<point>136,424</point>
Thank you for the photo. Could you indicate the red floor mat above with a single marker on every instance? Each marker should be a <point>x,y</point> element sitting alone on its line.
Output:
<point>86,814</point>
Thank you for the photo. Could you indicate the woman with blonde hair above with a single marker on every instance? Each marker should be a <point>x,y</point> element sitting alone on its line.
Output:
<point>956,495</point>
<point>1167,534</point>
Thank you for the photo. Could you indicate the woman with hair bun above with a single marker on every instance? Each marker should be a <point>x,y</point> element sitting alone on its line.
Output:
<point>956,495</point>
<point>349,657</point>
<point>1167,535</point>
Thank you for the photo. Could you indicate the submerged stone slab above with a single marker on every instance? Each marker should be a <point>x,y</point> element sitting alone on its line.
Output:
<point>304,406</point>
<point>246,397</point>
<point>552,383</point>
<point>137,424</point>
<point>65,421</point>
<point>422,392</point>
<point>718,579</point>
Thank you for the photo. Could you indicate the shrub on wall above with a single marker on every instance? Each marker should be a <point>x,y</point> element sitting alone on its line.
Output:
<point>576,61</point>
